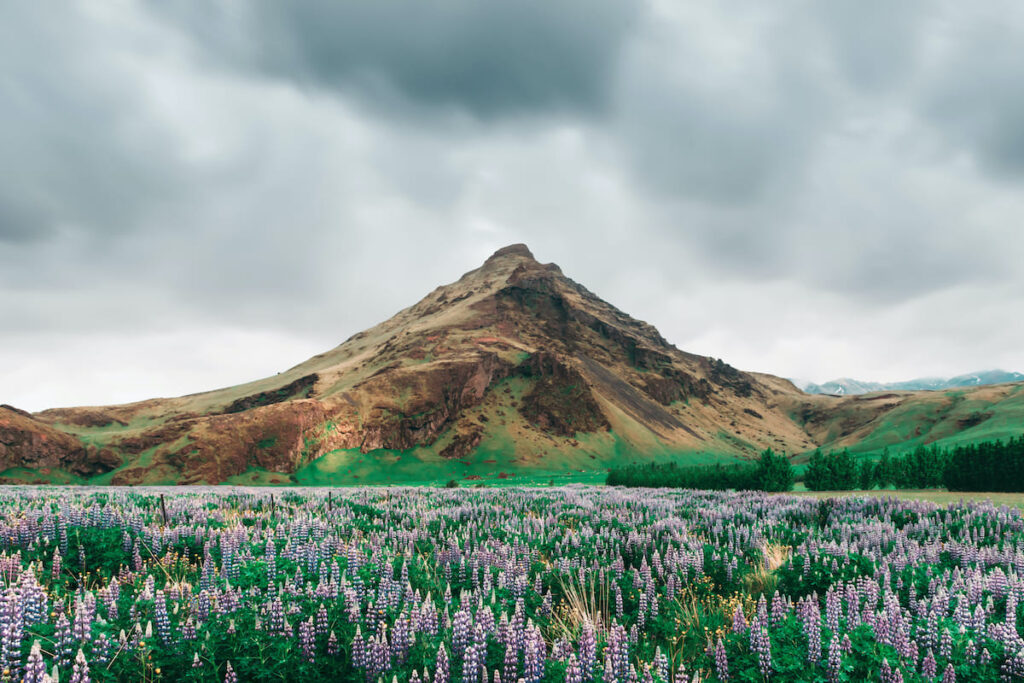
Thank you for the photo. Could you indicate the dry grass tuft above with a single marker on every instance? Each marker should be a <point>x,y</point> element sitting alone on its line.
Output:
<point>582,602</point>
<point>762,580</point>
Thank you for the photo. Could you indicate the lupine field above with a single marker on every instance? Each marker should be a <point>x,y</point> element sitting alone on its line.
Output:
<point>482,586</point>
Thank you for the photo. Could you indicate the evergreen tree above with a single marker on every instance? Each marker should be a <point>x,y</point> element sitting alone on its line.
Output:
<point>817,476</point>
<point>866,475</point>
<point>774,473</point>
<point>883,470</point>
<point>843,469</point>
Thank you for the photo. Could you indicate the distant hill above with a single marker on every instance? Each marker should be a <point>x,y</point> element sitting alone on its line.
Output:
<point>511,372</point>
<point>850,387</point>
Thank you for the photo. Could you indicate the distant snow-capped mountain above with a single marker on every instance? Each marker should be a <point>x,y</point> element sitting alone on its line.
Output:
<point>847,387</point>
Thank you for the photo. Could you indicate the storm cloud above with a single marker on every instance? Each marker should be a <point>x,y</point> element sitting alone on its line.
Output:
<point>196,194</point>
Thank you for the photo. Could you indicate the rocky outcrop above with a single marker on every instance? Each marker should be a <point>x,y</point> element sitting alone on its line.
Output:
<point>31,443</point>
<point>560,401</point>
<point>439,395</point>
<point>462,444</point>
<point>726,376</point>
<point>299,388</point>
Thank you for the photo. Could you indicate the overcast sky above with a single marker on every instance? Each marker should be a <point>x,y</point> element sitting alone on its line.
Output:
<point>199,194</point>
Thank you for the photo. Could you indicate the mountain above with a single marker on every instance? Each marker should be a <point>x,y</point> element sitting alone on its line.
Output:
<point>848,387</point>
<point>512,371</point>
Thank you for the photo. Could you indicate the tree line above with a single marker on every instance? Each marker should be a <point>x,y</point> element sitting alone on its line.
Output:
<point>771,472</point>
<point>987,466</point>
<point>984,466</point>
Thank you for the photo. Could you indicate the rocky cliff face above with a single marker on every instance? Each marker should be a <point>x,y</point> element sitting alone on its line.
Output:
<point>25,442</point>
<point>513,352</point>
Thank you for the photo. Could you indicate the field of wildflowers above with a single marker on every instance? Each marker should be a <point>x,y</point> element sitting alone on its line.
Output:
<point>571,584</point>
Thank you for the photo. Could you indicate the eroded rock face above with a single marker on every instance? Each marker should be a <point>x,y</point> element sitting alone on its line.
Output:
<point>560,400</point>
<point>31,443</point>
<point>673,385</point>
<point>439,396</point>
<point>462,444</point>
<point>299,388</point>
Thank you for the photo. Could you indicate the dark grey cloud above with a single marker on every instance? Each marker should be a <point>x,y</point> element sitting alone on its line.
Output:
<point>193,197</point>
<point>875,44</point>
<point>487,59</point>
<point>80,152</point>
<point>718,124</point>
<point>974,89</point>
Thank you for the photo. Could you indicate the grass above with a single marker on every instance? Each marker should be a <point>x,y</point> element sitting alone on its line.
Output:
<point>940,496</point>
<point>937,418</point>
<point>498,461</point>
<point>581,603</point>
<point>762,579</point>
<point>24,475</point>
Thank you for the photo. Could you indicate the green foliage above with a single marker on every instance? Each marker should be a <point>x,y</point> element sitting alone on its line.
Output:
<point>988,466</point>
<point>772,472</point>
<point>832,472</point>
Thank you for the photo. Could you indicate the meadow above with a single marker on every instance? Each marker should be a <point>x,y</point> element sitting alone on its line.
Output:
<point>571,583</point>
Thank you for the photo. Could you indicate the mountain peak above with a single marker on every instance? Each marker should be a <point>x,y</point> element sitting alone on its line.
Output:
<point>513,250</point>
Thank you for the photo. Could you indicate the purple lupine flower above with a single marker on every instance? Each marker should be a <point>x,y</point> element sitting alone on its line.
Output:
<point>275,618</point>
<point>62,636</point>
<point>721,661</point>
<point>949,675</point>
<point>101,650</point>
<point>618,647</point>
<point>510,668</point>
<point>608,675</point>
<point>163,621</point>
<point>462,631</point>
<point>441,666</point>
<point>835,659</point>
<point>779,609</point>
<point>35,667</point>
<point>229,674</point>
<point>188,630</point>
<point>946,644</point>
<point>533,660</point>
<point>471,665</point>
<point>661,664</point>
<point>739,621</point>
<point>359,649</point>
<point>832,609</point>
<point>928,665</point>
<point>11,631</point>
<point>810,616</point>
<point>332,645</point>
<point>270,559</point>
<point>322,624</point>
<point>80,670</point>
<point>760,644</point>
<point>1013,667</point>
<point>588,652</point>
<point>573,674</point>
<point>307,640</point>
